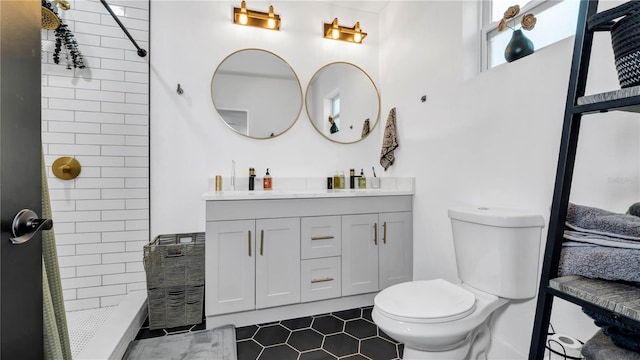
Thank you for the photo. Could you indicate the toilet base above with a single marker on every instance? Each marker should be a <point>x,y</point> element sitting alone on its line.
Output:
<point>474,348</point>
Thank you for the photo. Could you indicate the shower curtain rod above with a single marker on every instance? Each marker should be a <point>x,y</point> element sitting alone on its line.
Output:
<point>141,52</point>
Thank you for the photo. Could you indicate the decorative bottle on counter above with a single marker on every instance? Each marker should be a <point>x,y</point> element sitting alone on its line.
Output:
<point>362,181</point>
<point>342,182</point>
<point>252,178</point>
<point>266,182</point>
<point>336,181</point>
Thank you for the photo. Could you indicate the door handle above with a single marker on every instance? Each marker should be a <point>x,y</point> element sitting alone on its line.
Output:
<point>375,234</point>
<point>26,224</point>
<point>384,232</point>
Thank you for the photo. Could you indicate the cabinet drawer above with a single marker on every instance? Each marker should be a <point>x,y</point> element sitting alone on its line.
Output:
<point>320,279</point>
<point>320,237</point>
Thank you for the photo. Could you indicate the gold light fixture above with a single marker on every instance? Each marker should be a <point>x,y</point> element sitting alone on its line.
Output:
<point>242,16</point>
<point>349,34</point>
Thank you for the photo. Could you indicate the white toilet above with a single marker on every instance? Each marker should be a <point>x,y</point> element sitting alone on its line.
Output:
<point>497,254</point>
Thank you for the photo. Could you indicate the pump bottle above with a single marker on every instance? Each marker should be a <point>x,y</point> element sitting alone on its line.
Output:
<point>266,181</point>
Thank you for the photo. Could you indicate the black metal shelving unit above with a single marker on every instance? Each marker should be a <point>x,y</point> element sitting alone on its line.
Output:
<point>576,289</point>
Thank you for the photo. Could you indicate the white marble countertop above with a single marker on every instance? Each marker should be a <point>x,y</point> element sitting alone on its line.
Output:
<point>304,188</point>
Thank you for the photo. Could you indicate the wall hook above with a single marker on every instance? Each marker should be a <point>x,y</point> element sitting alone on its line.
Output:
<point>423,98</point>
<point>179,90</point>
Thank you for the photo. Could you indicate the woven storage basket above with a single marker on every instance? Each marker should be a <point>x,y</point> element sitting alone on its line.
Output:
<point>625,39</point>
<point>175,279</point>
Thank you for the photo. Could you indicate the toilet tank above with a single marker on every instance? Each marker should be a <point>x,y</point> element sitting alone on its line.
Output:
<point>497,249</point>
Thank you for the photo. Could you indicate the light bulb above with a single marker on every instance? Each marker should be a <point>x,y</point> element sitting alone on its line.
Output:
<point>271,23</point>
<point>357,37</point>
<point>335,34</point>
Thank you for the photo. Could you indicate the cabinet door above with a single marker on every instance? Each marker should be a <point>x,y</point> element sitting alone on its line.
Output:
<point>230,266</point>
<point>395,249</point>
<point>277,262</point>
<point>359,254</point>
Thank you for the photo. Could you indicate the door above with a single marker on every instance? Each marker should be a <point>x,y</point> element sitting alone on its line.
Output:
<point>230,266</point>
<point>395,250</point>
<point>359,254</point>
<point>277,262</point>
<point>20,180</point>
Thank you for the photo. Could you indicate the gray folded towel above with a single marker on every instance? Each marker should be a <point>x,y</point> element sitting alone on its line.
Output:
<point>600,347</point>
<point>602,240</point>
<point>598,221</point>
<point>599,262</point>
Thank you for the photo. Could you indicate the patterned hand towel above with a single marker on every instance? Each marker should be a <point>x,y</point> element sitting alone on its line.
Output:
<point>600,347</point>
<point>602,222</point>
<point>390,141</point>
<point>599,262</point>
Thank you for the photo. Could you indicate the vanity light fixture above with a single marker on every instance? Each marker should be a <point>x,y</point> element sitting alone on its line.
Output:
<point>349,34</point>
<point>242,16</point>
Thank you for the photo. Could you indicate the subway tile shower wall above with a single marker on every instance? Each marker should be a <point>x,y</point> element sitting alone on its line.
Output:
<point>100,116</point>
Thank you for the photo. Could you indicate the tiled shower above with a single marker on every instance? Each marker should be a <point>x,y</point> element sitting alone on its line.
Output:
<point>100,116</point>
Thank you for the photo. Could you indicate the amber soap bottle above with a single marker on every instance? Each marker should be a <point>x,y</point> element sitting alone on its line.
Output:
<point>266,181</point>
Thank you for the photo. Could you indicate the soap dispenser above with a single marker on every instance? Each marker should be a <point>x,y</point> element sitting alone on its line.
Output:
<point>266,181</point>
<point>362,181</point>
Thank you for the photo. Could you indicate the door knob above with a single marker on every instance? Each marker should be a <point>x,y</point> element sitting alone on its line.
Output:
<point>26,224</point>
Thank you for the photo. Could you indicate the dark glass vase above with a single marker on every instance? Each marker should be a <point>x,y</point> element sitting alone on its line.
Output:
<point>519,46</point>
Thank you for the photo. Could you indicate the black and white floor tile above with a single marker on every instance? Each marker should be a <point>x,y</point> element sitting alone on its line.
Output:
<point>349,334</point>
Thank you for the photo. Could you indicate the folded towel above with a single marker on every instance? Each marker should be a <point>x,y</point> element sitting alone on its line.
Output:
<point>600,347</point>
<point>621,334</point>
<point>599,262</point>
<point>602,240</point>
<point>602,222</point>
<point>389,142</point>
<point>365,128</point>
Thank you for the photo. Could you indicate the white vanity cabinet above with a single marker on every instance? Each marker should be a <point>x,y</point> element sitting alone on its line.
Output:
<point>272,256</point>
<point>377,251</point>
<point>256,264</point>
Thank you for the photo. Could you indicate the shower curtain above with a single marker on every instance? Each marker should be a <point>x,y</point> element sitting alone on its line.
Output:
<point>56,334</point>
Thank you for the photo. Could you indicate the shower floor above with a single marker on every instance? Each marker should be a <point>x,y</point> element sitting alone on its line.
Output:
<point>83,324</point>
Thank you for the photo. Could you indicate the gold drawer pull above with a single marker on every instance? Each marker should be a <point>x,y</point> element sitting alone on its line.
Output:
<point>313,281</point>
<point>261,242</point>
<point>375,233</point>
<point>327,237</point>
<point>384,231</point>
<point>249,241</point>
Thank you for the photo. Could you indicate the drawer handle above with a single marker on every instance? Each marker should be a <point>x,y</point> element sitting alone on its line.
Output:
<point>313,281</point>
<point>375,233</point>
<point>327,237</point>
<point>261,242</point>
<point>249,241</point>
<point>384,231</point>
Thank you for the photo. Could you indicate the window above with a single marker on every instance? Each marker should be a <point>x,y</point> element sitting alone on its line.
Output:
<point>557,20</point>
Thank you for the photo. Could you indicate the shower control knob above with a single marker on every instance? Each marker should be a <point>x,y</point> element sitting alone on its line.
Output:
<point>26,224</point>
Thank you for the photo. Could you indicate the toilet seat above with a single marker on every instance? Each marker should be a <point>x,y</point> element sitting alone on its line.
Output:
<point>426,301</point>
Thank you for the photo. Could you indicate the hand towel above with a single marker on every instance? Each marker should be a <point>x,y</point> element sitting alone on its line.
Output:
<point>599,262</point>
<point>602,222</point>
<point>365,128</point>
<point>390,141</point>
<point>600,347</point>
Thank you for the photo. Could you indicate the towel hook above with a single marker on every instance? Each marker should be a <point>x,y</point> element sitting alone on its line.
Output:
<point>179,90</point>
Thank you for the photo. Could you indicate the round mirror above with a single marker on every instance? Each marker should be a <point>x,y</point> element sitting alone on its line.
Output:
<point>256,93</point>
<point>343,103</point>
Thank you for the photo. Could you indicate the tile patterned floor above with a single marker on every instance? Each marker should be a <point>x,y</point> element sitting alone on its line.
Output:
<point>349,334</point>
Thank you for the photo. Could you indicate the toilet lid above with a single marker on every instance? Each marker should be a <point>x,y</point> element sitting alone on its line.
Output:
<point>426,301</point>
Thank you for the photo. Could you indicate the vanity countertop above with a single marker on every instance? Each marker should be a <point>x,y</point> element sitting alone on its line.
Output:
<point>303,188</point>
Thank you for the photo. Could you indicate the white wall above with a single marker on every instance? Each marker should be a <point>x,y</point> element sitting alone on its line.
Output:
<point>493,139</point>
<point>489,138</point>
<point>189,141</point>
<point>99,115</point>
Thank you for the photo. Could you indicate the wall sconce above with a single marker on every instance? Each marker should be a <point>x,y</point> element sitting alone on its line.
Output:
<point>242,16</point>
<point>337,32</point>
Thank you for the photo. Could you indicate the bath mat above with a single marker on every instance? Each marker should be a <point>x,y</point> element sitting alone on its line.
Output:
<point>218,343</point>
